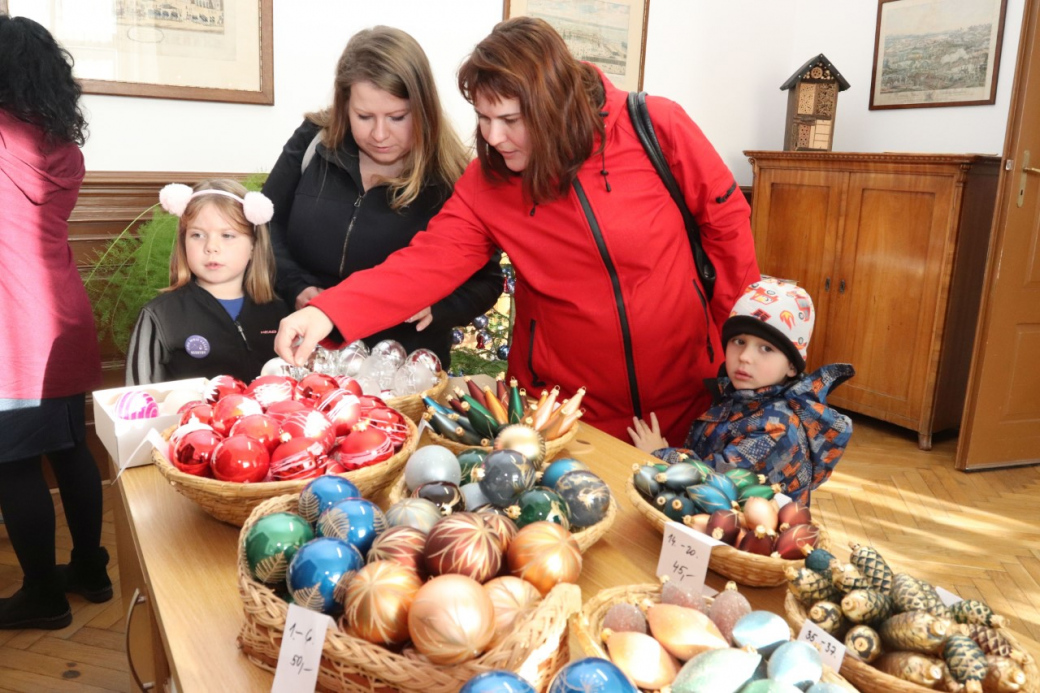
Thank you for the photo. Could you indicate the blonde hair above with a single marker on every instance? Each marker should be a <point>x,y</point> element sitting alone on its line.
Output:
<point>259,278</point>
<point>395,62</point>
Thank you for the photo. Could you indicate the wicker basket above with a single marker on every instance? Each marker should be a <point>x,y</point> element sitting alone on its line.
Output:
<point>232,502</point>
<point>552,447</point>
<point>742,567</point>
<point>585,628</point>
<point>536,648</point>
<point>872,680</point>
<point>585,537</point>
<point>412,405</point>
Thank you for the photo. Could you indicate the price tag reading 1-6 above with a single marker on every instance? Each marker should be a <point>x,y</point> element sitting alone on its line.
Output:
<point>300,655</point>
<point>684,555</point>
<point>831,650</point>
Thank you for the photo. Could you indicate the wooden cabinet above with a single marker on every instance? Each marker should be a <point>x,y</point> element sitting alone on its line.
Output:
<point>892,249</point>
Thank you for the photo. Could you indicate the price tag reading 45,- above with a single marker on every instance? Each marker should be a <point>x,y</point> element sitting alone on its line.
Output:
<point>300,655</point>
<point>684,555</point>
<point>831,650</point>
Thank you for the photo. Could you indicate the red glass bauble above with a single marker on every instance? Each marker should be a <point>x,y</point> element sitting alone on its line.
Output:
<point>280,410</point>
<point>342,408</point>
<point>390,421</point>
<point>370,401</point>
<point>193,450</point>
<point>222,386</point>
<point>362,447</point>
<point>349,384</point>
<point>313,386</point>
<point>262,427</point>
<point>299,458</point>
<point>196,411</point>
<point>463,543</point>
<point>240,459</point>
<point>268,389</point>
<point>308,424</point>
<point>230,409</point>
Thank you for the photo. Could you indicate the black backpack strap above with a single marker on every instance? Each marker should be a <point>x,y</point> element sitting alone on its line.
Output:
<point>640,117</point>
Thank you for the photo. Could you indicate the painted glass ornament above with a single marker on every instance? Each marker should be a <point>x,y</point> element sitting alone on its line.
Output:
<point>413,512</point>
<point>259,427</point>
<point>271,543</point>
<point>591,675</point>
<point>268,389</point>
<point>431,463</point>
<point>444,494</point>
<point>322,493</point>
<point>426,358</point>
<point>525,440</point>
<point>504,527</point>
<point>136,404</point>
<point>378,600</point>
<point>309,424</point>
<point>452,619</point>
<point>299,458</point>
<point>511,597</point>
<point>340,407</point>
<point>464,544</point>
<point>320,572</point>
<point>557,468</point>
<point>390,350</point>
<point>504,475</point>
<point>545,554</point>
<point>227,411</point>
<point>404,545</point>
<point>355,520</point>
<point>586,495</point>
<point>221,386</point>
<point>470,460</point>
<point>499,681</point>
<point>540,504</point>
<point>313,386</point>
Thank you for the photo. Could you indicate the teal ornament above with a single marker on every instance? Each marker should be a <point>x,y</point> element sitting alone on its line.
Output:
<point>663,498</point>
<point>320,572</point>
<point>272,542</point>
<point>497,682</point>
<point>819,561</point>
<point>643,478</point>
<point>355,520</point>
<point>678,508</point>
<point>708,498</point>
<point>552,473</point>
<point>770,686</point>
<point>539,504</point>
<point>468,461</point>
<point>797,663</point>
<point>678,476</point>
<point>586,495</point>
<point>717,671</point>
<point>473,496</point>
<point>431,463</point>
<point>324,492</point>
<point>504,475</point>
<point>724,484</point>
<point>413,512</point>
<point>762,630</point>
<point>591,675</point>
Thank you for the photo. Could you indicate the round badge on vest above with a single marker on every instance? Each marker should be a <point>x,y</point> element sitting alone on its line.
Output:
<point>197,346</point>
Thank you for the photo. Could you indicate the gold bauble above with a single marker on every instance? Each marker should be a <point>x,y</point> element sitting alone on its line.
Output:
<point>378,601</point>
<point>452,619</point>
<point>545,554</point>
<point>511,597</point>
<point>525,440</point>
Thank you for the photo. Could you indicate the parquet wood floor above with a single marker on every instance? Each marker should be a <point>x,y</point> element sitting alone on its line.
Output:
<point>977,535</point>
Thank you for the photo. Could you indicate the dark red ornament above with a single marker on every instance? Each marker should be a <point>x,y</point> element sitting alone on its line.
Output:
<point>308,424</point>
<point>222,386</point>
<point>240,459</point>
<point>342,408</point>
<point>280,410</point>
<point>299,458</point>
<point>193,451</point>
<point>362,447</point>
<point>349,384</point>
<point>232,408</point>
<point>313,386</point>
<point>268,389</point>
<point>262,427</point>
<point>196,411</point>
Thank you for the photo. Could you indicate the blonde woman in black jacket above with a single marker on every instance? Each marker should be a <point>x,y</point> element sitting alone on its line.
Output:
<point>358,180</point>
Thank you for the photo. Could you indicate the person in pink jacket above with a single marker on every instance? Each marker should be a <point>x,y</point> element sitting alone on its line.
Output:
<point>606,292</point>
<point>48,346</point>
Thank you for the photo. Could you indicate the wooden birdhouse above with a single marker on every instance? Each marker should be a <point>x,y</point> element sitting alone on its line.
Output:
<point>811,105</point>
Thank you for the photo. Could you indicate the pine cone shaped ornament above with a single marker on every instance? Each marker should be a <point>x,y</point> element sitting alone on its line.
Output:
<point>967,662</point>
<point>907,594</point>
<point>873,567</point>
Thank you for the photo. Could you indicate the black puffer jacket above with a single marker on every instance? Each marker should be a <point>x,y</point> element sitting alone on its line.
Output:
<point>325,229</point>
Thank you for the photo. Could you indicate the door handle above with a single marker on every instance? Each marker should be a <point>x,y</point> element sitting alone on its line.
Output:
<point>827,284</point>
<point>1026,169</point>
<point>1030,169</point>
<point>841,286</point>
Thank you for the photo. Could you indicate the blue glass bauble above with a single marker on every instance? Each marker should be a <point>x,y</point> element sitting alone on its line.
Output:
<point>503,352</point>
<point>319,574</point>
<point>497,682</point>
<point>457,336</point>
<point>355,520</point>
<point>480,322</point>
<point>504,475</point>
<point>586,495</point>
<point>552,473</point>
<point>591,675</point>
<point>324,492</point>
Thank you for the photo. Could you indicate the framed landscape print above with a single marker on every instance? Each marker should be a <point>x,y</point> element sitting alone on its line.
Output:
<point>208,50</point>
<point>608,33</point>
<point>936,53</point>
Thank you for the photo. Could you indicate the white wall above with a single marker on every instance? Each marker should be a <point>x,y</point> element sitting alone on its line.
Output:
<point>723,60</point>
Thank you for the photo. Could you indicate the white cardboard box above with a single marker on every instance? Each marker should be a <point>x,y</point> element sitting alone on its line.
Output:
<point>125,439</point>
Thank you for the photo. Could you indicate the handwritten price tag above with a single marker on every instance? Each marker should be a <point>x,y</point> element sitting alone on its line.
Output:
<point>300,655</point>
<point>947,597</point>
<point>831,650</point>
<point>684,555</point>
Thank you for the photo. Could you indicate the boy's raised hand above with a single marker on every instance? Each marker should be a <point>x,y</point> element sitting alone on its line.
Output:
<point>647,437</point>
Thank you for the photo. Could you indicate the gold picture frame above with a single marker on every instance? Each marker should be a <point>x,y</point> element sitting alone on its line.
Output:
<point>601,32</point>
<point>930,53</point>
<point>201,50</point>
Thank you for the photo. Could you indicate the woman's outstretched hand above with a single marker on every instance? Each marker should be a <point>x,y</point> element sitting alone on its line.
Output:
<point>299,333</point>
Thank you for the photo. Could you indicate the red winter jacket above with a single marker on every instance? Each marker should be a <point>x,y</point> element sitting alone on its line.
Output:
<point>606,294</point>
<point>48,345</point>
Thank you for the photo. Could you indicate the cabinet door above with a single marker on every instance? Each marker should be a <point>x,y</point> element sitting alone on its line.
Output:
<point>797,220</point>
<point>885,308</point>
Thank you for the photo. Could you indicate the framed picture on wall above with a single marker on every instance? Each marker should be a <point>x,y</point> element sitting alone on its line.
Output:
<point>936,53</point>
<point>608,33</point>
<point>206,50</point>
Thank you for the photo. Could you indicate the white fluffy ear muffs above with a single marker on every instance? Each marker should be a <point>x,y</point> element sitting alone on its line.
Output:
<point>174,198</point>
<point>257,207</point>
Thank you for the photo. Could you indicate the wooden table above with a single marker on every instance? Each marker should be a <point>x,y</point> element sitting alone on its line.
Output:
<point>187,562</point>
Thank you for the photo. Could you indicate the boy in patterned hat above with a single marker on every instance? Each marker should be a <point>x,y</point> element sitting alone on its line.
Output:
<point>769,416</point>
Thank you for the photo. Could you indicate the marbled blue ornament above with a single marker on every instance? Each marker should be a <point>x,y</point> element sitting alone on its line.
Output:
<point>319,573</point>
<point>355,520</point>
<point>323,493</point>
<point>552,473</point>
<point>480,322</point>
<point>497,682</point>
<point>457,336</point>
<point>591,675</point>
<point>503,352</point>
<point>586,495</point>
<point>504,475</point>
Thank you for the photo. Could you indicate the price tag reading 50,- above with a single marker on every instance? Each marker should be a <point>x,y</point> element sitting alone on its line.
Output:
<point>831,650</point>
<point>684,555</point>
<point>300,655</point>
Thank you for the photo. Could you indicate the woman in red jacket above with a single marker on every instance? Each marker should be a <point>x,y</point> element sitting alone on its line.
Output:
<point>606,292</point>
<point>48,346</point>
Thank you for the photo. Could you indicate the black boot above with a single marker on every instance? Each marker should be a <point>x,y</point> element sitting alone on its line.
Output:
<point>85,575</point>
<point>39,604</point>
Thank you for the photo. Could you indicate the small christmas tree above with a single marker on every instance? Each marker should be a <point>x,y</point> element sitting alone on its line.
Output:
<point>483,345</point>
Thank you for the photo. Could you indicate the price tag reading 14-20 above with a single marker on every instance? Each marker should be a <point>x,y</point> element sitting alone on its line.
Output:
<point>300,655</point>
<point>684,555</point>
<point>831,650</point>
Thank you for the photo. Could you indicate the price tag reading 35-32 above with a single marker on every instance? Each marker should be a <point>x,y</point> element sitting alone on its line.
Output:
<point>684,555</point>
<point>831,650</point>
<point>300,655</point>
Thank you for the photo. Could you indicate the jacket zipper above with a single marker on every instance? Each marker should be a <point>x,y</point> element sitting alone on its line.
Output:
<point>626,331</point>
<point>707,322</point>
<point>242,333</point>
<point>535,380</point>
<point>350,227</point>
